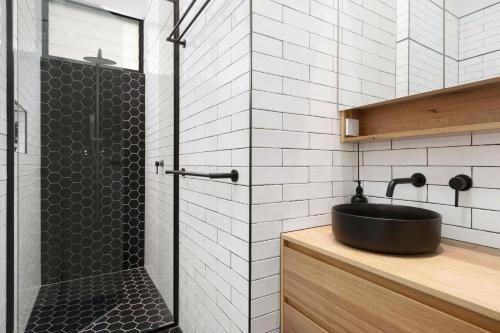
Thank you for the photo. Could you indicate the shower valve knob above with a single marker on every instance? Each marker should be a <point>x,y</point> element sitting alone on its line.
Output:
<point>159,164</point>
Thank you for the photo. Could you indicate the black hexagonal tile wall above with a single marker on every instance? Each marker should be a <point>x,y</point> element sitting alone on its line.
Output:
<point>92,209</point>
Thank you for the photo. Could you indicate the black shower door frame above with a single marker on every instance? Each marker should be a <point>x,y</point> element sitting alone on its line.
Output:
<point>10,227</point>
<point>11,153</point>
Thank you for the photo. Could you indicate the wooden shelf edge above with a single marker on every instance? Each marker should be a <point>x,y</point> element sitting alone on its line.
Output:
<point>437,132</point>
<point>438,92</point>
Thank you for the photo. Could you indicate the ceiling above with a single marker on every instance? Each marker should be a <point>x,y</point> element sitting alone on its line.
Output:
<point>463,7</point>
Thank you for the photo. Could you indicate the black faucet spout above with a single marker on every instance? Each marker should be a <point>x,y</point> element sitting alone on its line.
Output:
<point>394,182</point>
<point>417,180</point>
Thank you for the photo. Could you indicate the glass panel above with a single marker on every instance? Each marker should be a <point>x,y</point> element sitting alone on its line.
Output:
<point>77,31</point>
<point>28,47</point>
<point>159,259</point>
<point>80,155</point>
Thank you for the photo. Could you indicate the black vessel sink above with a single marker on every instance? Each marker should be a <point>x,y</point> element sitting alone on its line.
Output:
<point>387,228</point>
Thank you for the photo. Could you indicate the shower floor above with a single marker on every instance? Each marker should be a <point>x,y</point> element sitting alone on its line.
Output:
<point>126,301</point>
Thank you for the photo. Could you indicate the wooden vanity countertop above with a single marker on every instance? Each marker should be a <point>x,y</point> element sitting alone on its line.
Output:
<point>460,273</point>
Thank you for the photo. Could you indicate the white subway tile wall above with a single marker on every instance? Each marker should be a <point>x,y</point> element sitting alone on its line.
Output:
<point>215,137</point>
<point>402,66</point>
<point>426,23</point>
<point>451,49</point>
<point>299,168</point>
<point>469,41</point>
<point>476,154</point>
<point>307,59</point>
<point>479,44</point>
<point>420,47</point>
<point>476,219</point>
<point>451,35</point>
<point>426,68</point>
<point>470,45</point>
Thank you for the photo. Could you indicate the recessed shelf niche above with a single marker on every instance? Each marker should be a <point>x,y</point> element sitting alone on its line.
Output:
<point>473,107</point>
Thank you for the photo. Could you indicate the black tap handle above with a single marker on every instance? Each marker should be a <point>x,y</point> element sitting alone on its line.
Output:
<point>159,164</point>
<point>460,183</point>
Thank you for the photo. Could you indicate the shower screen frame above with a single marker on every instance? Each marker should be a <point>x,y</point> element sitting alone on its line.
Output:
<point>10,263</point>
<point>11,138</point>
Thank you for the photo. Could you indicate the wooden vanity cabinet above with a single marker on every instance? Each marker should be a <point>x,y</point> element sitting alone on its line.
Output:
<point>321,293</point>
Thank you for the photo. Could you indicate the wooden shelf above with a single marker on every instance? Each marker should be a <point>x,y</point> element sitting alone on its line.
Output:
<point>473,107</point>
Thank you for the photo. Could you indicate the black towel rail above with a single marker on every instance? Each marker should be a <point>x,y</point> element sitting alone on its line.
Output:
<point>179,40</point>
<point>233,175</point>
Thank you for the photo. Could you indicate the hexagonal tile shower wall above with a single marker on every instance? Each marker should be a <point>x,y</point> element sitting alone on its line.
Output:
<point>92,202</point>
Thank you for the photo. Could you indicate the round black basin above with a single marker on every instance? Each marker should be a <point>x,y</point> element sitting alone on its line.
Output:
<point>387,228</point>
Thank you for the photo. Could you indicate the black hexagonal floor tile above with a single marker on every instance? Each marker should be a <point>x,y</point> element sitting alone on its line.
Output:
<point>126,302</point>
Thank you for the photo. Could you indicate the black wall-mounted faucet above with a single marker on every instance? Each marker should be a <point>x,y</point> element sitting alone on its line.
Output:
<point>460,183</point>
<point>159,164</point>
<point>417,180</point>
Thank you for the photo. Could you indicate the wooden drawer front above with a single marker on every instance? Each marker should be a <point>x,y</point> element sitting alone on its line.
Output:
<point>341,302</point>
<point>296,322</point>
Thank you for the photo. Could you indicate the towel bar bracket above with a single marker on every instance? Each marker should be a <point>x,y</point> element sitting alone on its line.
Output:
<point>176,36</point>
